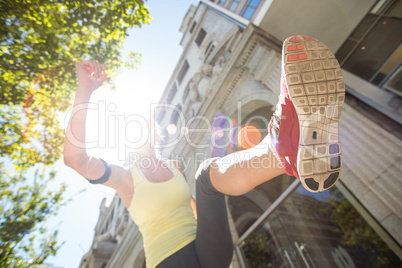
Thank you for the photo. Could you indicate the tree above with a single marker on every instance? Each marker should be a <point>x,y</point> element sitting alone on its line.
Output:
<point>25,207</point>
<point>40,41</point>
<point>257,251</point>
<point>357,234</point>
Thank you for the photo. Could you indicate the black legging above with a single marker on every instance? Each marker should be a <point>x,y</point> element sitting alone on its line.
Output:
<point>213,246</point>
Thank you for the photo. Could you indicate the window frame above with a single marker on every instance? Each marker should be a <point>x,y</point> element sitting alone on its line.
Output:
<point>248,5</point>
<point>379,9</point>
<point>200,37</point>
<point>229,7</point>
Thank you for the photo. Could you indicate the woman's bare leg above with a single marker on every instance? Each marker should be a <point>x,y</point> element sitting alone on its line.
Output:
<point>240,172</point>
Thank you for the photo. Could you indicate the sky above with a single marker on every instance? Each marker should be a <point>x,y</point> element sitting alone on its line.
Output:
<point>158,42</point>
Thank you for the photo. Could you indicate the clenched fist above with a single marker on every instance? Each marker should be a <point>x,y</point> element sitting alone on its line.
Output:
<point>89,74</point>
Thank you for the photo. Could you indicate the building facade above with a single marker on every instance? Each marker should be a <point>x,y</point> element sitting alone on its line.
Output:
<point>228,77</point>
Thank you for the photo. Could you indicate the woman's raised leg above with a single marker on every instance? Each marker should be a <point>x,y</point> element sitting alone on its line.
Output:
<point>304,130</point>
<point>240,172</point>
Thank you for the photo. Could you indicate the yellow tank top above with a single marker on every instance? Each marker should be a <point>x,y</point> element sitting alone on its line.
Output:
<point>163,214</point>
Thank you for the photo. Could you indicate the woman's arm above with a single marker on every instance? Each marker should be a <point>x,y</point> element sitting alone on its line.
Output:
<point>90,77</point>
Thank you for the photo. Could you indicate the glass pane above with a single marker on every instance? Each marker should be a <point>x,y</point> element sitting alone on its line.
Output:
<point>254,3</point>
<point>317,230</point>
<point>378,7</point>
<point>394,81</point>
<point>345,49</point>
<point>233,5</point>
<point>222,3</point>
<point>363,27</point>
<point>248,13</point>
<point>200,37</point>
<point>375,49</point>
<point>249,8</point>
<point>389,66</point>
<point>395,10</point>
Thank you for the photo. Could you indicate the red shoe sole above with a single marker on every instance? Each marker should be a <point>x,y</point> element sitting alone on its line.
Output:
<point>317,89</point>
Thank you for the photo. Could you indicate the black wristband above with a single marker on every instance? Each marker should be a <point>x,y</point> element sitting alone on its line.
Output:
<point>105,176</point>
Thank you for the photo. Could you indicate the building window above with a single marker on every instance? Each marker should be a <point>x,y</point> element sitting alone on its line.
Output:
<point>171,94</point>
<point>393,82</point>
<point>208,50</point>
<point>233,5</point>
<point>192,27</point>
<point>249,8</point>
<point>373,50</point>
<point>183,72</point>
<point>222,3</point>
<point>200,37</point>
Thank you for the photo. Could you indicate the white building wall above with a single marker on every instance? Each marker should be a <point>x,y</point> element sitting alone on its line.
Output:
<point>372,168</point>
<point>329,21</point>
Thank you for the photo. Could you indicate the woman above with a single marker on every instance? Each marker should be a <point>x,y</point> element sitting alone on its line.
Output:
<point>303,142</point>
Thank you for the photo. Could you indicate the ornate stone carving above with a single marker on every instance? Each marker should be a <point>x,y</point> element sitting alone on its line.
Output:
<point>201,83</point>
<point>203,86</point>
<point>194,97</point>
<point>207,69</point>
<point>220,63</point>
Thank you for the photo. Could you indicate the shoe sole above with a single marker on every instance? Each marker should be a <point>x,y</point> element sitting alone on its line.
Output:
<point>317,89</point>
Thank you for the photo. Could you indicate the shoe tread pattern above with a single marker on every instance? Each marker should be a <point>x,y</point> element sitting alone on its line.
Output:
<point>317,89</point>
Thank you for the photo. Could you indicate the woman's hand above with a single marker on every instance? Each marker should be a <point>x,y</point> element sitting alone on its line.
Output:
<point>89,75</point>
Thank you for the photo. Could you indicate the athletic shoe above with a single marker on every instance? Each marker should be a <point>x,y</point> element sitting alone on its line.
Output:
<point>304,129</point>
